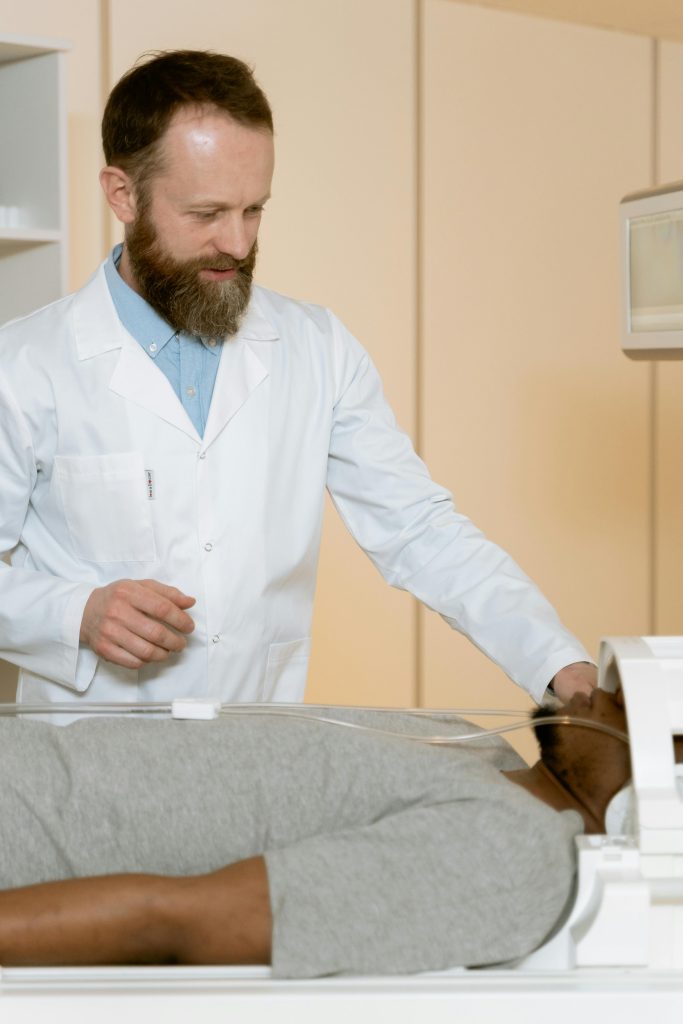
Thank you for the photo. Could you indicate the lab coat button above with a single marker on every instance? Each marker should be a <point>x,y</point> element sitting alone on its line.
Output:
<point>215,639</point>
<point>202,455</point>
<point>208,546</point>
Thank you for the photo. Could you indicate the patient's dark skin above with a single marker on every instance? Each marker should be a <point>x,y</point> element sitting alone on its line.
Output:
<point>220,918</point>
<point>580,769</point>
<point>225,917</point>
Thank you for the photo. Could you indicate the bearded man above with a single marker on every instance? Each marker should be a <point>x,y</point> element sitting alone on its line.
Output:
<point>167,433</point>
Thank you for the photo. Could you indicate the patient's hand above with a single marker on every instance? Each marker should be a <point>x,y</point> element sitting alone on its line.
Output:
<point>581,677</point>
<point>131,622</point>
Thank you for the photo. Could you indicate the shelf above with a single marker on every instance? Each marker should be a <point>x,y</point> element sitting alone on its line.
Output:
<point>14,239</point>
<point>23,47</point>
<point>32,188</point>
<point>32,173</point>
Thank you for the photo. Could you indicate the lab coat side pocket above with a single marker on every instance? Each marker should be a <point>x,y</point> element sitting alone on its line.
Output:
<point>106,506</point>
<point>286,671</point>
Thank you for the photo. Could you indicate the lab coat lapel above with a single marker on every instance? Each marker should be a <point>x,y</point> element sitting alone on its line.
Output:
<point>240,371</point>
<point>135,377</point>
<point>138,379</point>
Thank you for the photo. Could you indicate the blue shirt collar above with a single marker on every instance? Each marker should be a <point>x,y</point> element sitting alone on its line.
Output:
<point>136,315</point>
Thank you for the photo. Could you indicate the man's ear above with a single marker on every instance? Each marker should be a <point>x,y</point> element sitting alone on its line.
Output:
<point>119,193</point>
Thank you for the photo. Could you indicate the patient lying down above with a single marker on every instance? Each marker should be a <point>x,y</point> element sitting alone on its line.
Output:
<point>313,847</point>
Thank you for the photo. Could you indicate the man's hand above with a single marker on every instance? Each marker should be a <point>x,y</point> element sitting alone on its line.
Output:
<point>131,622</point>
<point>581,677</point>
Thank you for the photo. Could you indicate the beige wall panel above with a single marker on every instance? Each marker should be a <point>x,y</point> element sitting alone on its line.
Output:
<point>669,379</point>
<point>533,130</point>
<point>78,23</point>
<point>663,18</point>
<point>339,231</point>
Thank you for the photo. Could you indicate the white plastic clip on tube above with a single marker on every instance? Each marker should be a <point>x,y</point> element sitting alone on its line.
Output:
<point>187,707</point>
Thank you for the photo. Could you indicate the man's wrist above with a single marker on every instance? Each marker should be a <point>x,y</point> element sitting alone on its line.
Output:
<point>579,677</point>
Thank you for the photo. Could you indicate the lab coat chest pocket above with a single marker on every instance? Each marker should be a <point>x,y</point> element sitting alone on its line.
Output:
<point>106,506</point>
<point>286,671</point>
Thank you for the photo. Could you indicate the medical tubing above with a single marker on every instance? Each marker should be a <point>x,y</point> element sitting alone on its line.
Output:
<point>441,741</point>
<point>293,711</point>
<point>154,707</point>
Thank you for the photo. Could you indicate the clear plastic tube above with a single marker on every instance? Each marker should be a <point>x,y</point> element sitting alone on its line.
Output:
<point>320,713</point>
<point>553,718</point>
<point>83,709</point>
<point>156,707</point>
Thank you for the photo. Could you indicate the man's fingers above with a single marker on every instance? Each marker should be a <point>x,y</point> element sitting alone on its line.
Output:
<point>128,595</point>
<point>153,632</point>
<point>155,601</point>
<point>118,636</point>
<point>581,677</point>
<point>172,593</point>
<point>133,622</point>
<point>117,655</point>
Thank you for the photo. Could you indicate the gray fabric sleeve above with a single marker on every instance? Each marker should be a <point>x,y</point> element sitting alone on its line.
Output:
<point>430,888</point>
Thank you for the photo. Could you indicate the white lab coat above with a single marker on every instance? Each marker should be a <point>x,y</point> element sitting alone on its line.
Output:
<point>103,477</point>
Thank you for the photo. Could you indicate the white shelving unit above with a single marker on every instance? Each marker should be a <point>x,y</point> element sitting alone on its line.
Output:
<point>33,225</point>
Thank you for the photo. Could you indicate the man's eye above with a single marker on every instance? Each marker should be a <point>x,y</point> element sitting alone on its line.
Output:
<point>253,211</point>
<point>205,214</point>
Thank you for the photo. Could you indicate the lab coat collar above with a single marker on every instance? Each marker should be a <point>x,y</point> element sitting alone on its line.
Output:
<point>256,326</point>
<point>97,327</point>
<point>137,379</point>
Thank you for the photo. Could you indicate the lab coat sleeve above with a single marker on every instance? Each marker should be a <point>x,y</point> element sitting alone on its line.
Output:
<point>40,615</point>
<point>411,531</point>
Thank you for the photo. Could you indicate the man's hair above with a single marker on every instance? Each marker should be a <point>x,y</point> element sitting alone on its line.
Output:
<point>553,742</point>
<point>549,739</point>
<point>142,104</point>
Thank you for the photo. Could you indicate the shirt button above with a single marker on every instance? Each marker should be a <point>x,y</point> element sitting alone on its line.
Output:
<point>208,546</point>
<point>190,392</point>
<point>215,639</point>
<point>212,342</point>
<point>153,347</point>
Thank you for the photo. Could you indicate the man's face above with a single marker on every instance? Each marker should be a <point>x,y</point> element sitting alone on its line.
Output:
<point>192,247</point>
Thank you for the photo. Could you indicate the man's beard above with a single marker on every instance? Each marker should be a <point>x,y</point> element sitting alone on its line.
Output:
<point>212,309</point>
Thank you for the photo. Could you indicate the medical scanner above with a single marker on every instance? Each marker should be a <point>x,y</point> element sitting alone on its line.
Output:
<point>621,945</point>
<point>628,910</point>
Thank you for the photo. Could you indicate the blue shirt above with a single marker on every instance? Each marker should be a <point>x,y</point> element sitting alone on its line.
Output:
<point>190,363</point>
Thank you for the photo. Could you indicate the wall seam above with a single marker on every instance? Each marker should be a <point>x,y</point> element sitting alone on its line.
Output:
<point>419,689</point>
<point>653,375</point>
<point>105,86</point>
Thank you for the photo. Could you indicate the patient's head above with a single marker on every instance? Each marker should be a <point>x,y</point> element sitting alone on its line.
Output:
<point>583,759</point>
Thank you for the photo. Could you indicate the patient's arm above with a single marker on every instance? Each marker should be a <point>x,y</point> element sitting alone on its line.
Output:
<point>220,918</point>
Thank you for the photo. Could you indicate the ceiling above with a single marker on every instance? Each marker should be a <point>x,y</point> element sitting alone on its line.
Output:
<point>662,19</point>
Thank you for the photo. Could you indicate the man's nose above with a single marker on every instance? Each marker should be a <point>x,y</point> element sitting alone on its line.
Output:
<point>232,238</point>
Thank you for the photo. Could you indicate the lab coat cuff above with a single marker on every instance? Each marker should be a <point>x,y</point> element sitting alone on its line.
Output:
<point>83,660</point>
<point>545,675</point>
<point>86,663</point>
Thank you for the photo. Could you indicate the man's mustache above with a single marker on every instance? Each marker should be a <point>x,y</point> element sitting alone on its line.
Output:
<point>219,265</point>
<point>225,263</point>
